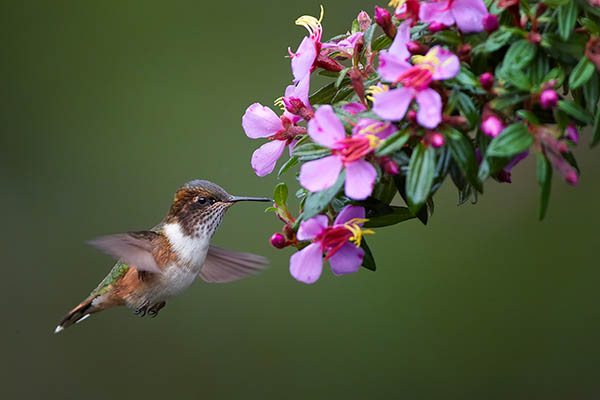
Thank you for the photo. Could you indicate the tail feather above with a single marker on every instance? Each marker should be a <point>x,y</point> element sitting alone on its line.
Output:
<point>78,314</point>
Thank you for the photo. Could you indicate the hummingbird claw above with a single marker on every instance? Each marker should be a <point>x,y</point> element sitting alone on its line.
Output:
<point>141,311</point>
<point>153,311</point>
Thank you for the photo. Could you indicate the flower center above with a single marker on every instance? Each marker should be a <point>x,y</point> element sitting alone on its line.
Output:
<point>313,25</point>
<point>376,89</point>
<point>396,3</point>
<point>418,76</point>
<point>357,231</point>
<point>356,147</point>
<point>334,237</point>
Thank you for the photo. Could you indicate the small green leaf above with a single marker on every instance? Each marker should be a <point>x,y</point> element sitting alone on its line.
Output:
<point>271,209</point>
<point>419,178</point>
<point>591,93</point>
<point>310,151</point>
<point>512,140</point>
<point>519,54</point>
<point>381,43</point>
<point>529,116</point>
<point>368,35</point>
<point>544,178</point>
<point>323,95</point>
<point>288,164</point>
<point>581,73</point>
<point>575,111</point>
<point>495,41</point>
<point>515,77</point>
<point>355,26</point>
<point>393,143</point>
<point>567,17</point>
<point>368,259</point>
<point>341,77</point>
<point>448,37</point>
<point>316,202</point>
<point>399,214</point>
<point>280,195</point>
<point>467,109</point>
<point>509,100</point>
<point>591,26</point>
<point>463,153</point>
<point>596,135</point>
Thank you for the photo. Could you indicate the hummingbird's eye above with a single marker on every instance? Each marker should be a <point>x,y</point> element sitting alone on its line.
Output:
<point>201,200</point>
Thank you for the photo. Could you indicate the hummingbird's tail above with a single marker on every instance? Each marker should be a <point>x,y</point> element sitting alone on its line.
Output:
<point>78,314</point>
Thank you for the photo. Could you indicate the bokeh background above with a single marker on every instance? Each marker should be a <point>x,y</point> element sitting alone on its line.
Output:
<point>107,107</point>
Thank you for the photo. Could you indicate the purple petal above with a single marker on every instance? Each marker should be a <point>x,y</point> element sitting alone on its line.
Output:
<point>429,114</point>
<point>380,129</point>
<point>392,105</point>
<point>433,12</point>
<point>304,58</point>
<point>307,264</point>
<point>449,65</point>
<point>325,128</point>
<point>398,46</point>
<point>265,157</point>
<point>312,228</point>
<point>347,259</point>
<point>391,66</point>
<point>354,108</point>
<point>469,15</point>
<point>360,178</point>
<point>320,174</point>
<point>349,212</point>
<point>516,159</point>
<point>260,121</point>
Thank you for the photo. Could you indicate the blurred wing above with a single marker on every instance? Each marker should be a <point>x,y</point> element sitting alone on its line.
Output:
<point>134,248</point>
<point>225,265</point>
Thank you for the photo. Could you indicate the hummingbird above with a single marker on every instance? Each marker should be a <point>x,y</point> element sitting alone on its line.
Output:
<point>155,265</point>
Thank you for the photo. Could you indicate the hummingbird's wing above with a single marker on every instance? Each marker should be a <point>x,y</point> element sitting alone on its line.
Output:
<point>134,248</point>
<point>225,265</point>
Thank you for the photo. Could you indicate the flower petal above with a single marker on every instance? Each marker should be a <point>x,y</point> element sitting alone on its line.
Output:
<point>265,157</point>
<point>303,59</point>
<point>469,15</point>
<point>354,108</point>
<point>310,229</point>
<point>349,212</point>
<point>449,64</point>
<point>436,12</point>
<point>398,46</point>
<point>307,264</point>
<point>391,66</point>
<point>325,128</point>
<point>380,129</point>
<point>260,121</point>
<point>430,108</point>
<point>347,259</point>
<point>320,174</point>
<point>392,105</point>
<point>360,178</point>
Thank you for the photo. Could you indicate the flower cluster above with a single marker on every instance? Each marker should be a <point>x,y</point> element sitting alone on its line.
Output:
<point>464,89</point>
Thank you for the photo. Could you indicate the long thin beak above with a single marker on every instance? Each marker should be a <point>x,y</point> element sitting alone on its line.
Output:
<point>235,199</point>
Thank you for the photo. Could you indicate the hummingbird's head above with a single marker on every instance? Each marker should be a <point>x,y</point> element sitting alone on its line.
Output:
<point>199,206</point>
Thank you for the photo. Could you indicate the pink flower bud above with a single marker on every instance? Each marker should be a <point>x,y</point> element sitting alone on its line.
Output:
<point>487,80</point>
<point>572,178</point>
<point>364,21</point>
<point>490,23</point>
<point>278,241</point>
<point>492,126</point>
<point>411,115</point>
<point>572,133</point>
<point>384,20</point>
<point>436,27</point>
<point>435,139</point>
<point>389,166</point>
<point>548,99</point>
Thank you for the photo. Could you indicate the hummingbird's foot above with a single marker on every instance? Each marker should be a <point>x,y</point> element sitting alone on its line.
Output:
<point>141,275</point>
<point>141,311</point>
<point>153,311</point>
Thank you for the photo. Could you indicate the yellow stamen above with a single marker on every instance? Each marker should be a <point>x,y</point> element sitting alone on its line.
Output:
<point>375,128</point>
<point>357,231</point>
<point>279,103</point>
<point>429,58</point>
<point>376,89</point>
<point>396,3</point>
<point>374,141</point>
<point>311,23</point>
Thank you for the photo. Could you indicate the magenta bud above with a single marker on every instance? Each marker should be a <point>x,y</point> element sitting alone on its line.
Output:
<point>413,47</point>
<point>487,80</point>
<point>384,20</point>
<point>364,21</point>
<point>411,115</point>
<point>492,126</point>
<point>548,99</point>
<point>490,23</point>
<point>571,178</point>
<point>436,27</point>
<point>435,139</point>
<point>278,241</point>
<point>572,133</point>
<point>389,166</point>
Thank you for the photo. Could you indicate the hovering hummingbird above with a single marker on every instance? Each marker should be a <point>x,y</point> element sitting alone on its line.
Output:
<point>156,265</point>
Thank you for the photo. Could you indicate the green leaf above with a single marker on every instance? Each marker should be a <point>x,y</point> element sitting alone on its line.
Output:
<point>519,54</point>
<point>310,151</point>
<point>463,153</point>
<point>596,135</point>
<point>271,209</point>
<point>591,93</point>
<point>575,111</point>
<point>467,109</point>
<point>512,140</point>
<point>544,178</point>
<point>381,42</point>
<point>280,195</point>
<point>529,116</point>
<point>515,77</point>
<point>355,26</point>
<point>567,16</point>
<point>368,35</point>
<point>393,143</point>
<point>591,26</point>
<point>555,73</point>
<point>341,77</point>
<point>288,164</point>
<point>509,100</point>
<point>448,37</point>
<point>495,41</point>
<point>399,214</point>
<point>400,182</point>
<point>419,178</point>
<point>582,72</point>
<point>368,259</point>
<point>316,202</point>
<point>323,95</point>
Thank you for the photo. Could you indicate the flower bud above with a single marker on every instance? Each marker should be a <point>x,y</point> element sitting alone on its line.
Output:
<point>415,47</point>
<point>487,80</point>
<point>551,84</point>
<point>411,116</point>
<point>278,241</point>
<point>492,126</point>
<point>436,27</point>
<point>490,23</point>
<point>389,166</point>
<point>384,20</point>
<point>572,133</point>
<point>548,99</point>
<point>364,21</point>
<point>534,38</point>
<point>571,178</point>
<point>435,139</point>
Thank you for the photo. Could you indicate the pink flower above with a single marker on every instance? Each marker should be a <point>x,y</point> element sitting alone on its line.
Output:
<point>437,64</point>
<point>492,126</point>
<point>548,99</point>
<point>340,243</point>
<point>487,80</point>
<point>467,14</point>
<point>572,133</point>
<point>347,152</point>
<point>354,108</point>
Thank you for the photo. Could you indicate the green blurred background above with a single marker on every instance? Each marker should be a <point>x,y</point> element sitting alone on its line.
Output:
<point>108,107</point>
